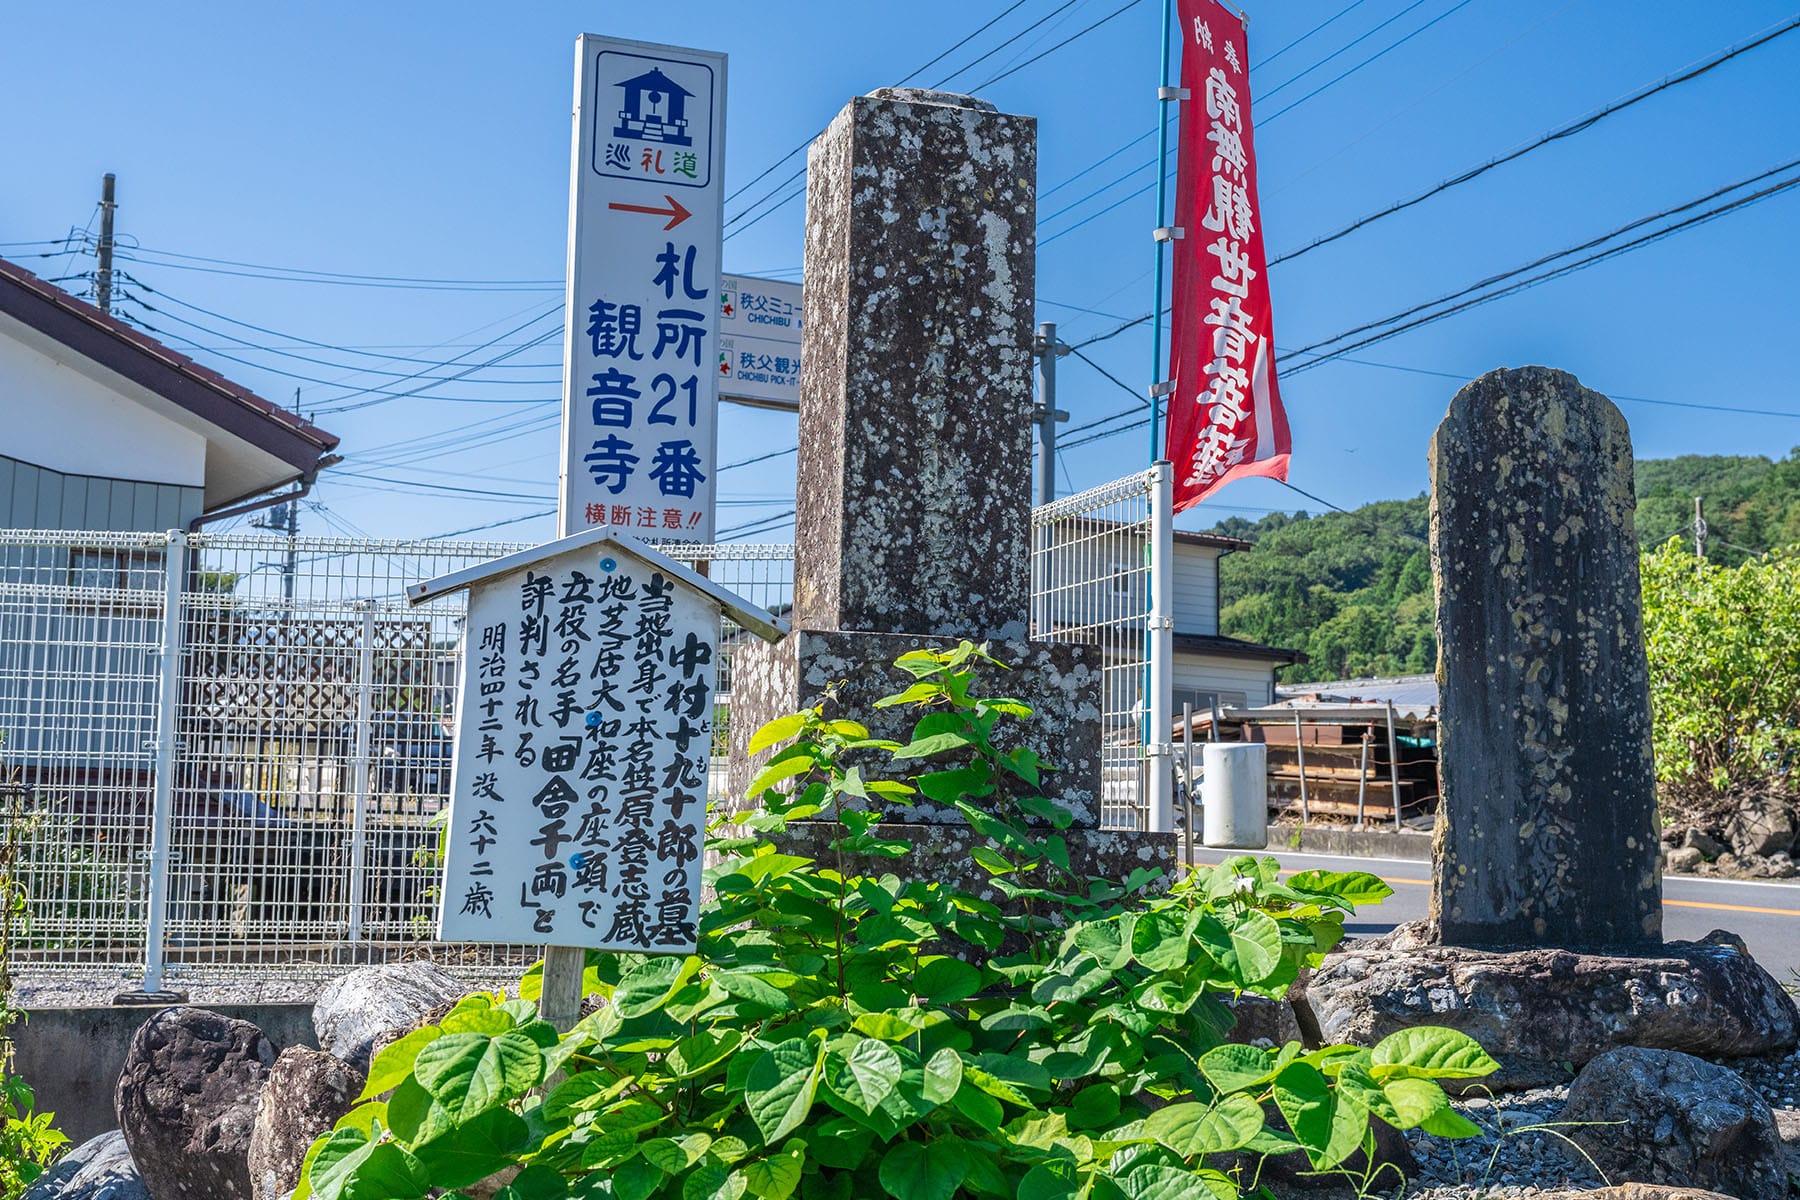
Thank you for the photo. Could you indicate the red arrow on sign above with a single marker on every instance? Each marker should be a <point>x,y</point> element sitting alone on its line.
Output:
<point>674,212</point>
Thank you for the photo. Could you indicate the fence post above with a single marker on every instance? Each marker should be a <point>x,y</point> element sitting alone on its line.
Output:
<point>1158,748</point>
<point>162,812</point>
<point>359,817</point>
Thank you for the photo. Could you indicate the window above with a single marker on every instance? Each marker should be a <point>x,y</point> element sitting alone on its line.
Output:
<point>138,573</point>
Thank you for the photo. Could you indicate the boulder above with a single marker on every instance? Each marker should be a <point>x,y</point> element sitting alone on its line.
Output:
<point>1660,1116</point>
<point>98,1169</point>
<point>355,1009</point>
<point>1761,825</point>
<point>187,1101</point>
<point>1542,1013</point>
<point>308,1090</point>
<point>1682,858</point>
<point>1709,846</point>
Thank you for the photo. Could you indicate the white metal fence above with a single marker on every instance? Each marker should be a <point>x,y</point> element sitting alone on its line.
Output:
<point>264,799</point>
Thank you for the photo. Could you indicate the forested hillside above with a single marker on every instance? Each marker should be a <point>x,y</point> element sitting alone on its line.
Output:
<point>1353,590</point>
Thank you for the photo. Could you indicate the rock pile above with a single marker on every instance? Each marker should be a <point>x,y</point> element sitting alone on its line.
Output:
<point>207,1111</point>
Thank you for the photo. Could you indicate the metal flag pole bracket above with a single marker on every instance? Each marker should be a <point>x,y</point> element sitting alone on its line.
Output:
<point>1174,93</point>
<point>1168,233</point>
<point>1159,390</point>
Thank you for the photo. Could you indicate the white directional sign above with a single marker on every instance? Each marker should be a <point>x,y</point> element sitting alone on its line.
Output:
<point>759,341</point>
<point>641,334</point>
<point>584,732</point>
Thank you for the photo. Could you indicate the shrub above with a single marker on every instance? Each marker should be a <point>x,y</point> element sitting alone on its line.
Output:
<point>846,1035</point>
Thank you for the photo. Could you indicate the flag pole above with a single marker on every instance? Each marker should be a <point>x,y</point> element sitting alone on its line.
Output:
<point>1162,219</point>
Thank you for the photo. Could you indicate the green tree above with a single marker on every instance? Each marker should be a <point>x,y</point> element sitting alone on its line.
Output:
<point>1724,650</point>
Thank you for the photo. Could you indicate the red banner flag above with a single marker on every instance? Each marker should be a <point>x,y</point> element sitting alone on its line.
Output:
<point>1225,415</point>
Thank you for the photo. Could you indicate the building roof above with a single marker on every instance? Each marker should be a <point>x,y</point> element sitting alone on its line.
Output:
<point>754,618</point>
<point>1403,691</point>
<point>654,80</point>
<point>1213,643</point>
<point>258,445</point>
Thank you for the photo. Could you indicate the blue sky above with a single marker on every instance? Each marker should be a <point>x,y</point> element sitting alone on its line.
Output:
<point>431,142</point>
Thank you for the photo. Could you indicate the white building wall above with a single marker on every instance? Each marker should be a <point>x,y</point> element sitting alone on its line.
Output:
<point>1196,585</point>
<point>54,416</point>
<point>1253,679</point>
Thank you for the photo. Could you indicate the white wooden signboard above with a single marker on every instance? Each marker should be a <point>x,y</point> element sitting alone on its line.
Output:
<point>641,333</point>
<point>584,728</point>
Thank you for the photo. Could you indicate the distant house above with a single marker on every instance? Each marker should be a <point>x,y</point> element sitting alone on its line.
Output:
<point>109,439</point>
<point>102,427</point>
<point>1104,586</point>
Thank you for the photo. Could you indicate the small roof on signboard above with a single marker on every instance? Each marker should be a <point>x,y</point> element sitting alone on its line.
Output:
<point>761,622</point>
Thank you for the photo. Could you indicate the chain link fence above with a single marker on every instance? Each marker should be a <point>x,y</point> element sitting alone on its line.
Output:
<point>267,801</point>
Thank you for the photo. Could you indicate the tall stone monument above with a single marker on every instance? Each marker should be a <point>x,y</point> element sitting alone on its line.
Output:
<point>1547,827</point>
<point>913,499</point>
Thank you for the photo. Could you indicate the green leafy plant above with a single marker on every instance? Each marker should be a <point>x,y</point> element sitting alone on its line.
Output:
<point>1724,651</point>
<point>846,1031</point>
<point>28,1142</point>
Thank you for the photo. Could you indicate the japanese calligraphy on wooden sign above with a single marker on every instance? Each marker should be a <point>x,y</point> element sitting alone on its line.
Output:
<point>1225,414</point>
<point>584,735</point>
<point>759,341</point>
<point>641,334</point>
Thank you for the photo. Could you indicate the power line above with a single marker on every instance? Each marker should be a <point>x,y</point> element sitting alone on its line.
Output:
<point>1117,12</point>
<point>1572,128</point>
<point>1344,49</point>
<point>218,266</point>
<point>1634,244</point>
<point>1007,12</point>
<point>1343,75</point>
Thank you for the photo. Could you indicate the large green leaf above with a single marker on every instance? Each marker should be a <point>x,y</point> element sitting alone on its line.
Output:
<point>1235,1067</point>
<point>702,1051</point>
<point>1256,938</point>
<point>674,1155</point>
<point>781,1086</point>
<point>924,1170</point>
<point>943,1076</point>
<point>865,1075</point>
<point>648,985</point>
<point>1167,1181</point>
<point>947,980</point>
<point>1430,1052</point>
<point>475,1149</point>
<point>468,1073</point>
<point>349,1167</point>
<point>1304,1098</point>
<point>713,1180</point>
<point>1352,887</point>
<point>636,1179</point>
<point>394,1062</point>
<point>1056,1179</point>
<point>774,1177</point>
<point>1192,1129</point>
<point>778,730</point>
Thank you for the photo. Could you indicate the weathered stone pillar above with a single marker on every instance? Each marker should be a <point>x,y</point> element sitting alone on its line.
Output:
<point>915,429</point>
<point>914,490</point>
<point>1547,826</point>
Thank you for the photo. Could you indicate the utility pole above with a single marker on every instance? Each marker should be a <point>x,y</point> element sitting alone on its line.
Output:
<point>1048,350</point>
<point>103,287</point>
<point>1700,528</point>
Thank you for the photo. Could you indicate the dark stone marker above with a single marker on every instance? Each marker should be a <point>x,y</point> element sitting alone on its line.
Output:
<point>915,437</point>
<point>1547,828</point>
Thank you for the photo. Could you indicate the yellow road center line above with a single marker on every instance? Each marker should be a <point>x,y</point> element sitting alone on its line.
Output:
<point>1667,903</point>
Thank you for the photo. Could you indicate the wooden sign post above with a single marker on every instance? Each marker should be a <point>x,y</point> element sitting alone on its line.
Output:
<point>584,736</point>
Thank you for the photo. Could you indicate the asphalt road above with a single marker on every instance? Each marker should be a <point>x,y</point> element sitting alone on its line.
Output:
<point>1765,914</point>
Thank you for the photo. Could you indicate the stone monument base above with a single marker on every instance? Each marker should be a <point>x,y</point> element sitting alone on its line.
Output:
<point>1544,1013</point>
